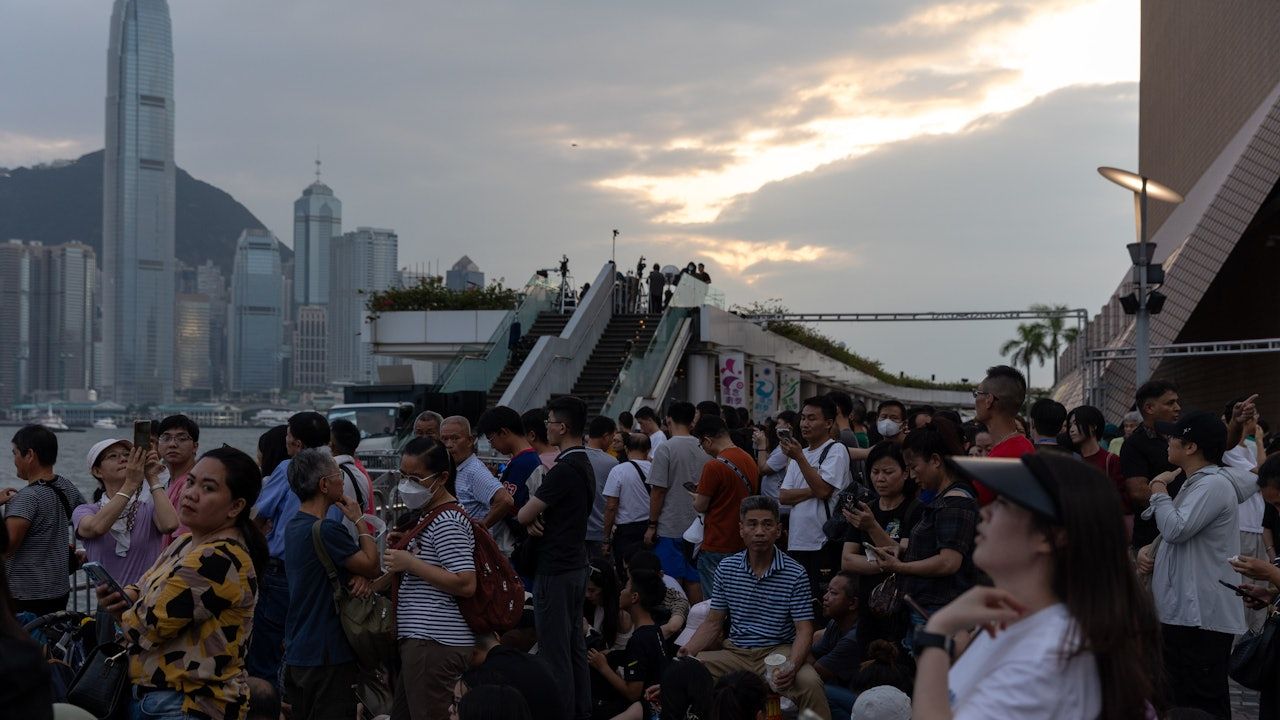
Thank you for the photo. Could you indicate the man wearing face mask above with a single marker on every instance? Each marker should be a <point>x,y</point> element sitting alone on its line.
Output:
<point>891,423</point>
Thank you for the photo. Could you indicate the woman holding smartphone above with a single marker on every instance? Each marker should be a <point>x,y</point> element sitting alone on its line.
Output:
<point>769,457</point>
<point>183,661</point>
<point>125,528</point>
<point>937,563</point>
<point>1066,632</point>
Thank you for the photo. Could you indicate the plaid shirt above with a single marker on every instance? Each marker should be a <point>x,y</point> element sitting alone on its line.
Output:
<point>949,522</point>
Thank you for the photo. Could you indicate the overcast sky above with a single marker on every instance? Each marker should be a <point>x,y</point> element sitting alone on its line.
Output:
<point>888,155</point>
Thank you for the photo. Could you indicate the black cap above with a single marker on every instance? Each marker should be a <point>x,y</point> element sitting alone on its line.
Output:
<point>1020,481</point>
<point>1202,428</point>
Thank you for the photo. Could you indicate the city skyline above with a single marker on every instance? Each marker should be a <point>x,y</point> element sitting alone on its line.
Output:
<point>503,139</point>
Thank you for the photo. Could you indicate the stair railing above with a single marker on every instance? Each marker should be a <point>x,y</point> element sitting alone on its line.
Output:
<point>479,372</point>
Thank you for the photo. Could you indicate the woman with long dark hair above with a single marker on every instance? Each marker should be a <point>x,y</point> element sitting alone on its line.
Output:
<point>937,564</point>
<point>1066,626</point>
<point>272,449</point>
<point>600,609</point>
<point>182,660</point>
<point>1085,426</point>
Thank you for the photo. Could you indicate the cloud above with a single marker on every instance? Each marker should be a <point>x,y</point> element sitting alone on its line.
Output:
<point>20,149</point>
<point>845,155</point>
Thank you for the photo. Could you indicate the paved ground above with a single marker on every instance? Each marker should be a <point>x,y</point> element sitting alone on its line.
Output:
<point>1244,703</point>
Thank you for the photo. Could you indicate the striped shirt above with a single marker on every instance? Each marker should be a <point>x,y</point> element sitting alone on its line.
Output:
<point>424,611</point>
<point>762,611</point>
<point>38,569</point>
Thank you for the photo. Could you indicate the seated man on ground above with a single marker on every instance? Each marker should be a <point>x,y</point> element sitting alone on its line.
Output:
<point>766,597</point>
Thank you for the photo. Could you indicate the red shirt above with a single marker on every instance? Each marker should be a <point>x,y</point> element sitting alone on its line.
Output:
<point>726,490</point>
<point>1110,466</point>
<point>1014,446</point>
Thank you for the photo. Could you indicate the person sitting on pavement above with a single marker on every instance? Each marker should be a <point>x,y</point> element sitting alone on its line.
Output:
<point>765,596</point>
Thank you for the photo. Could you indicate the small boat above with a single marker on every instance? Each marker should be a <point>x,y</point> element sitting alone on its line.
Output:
<point>52,422</point>
<point>105,424</point>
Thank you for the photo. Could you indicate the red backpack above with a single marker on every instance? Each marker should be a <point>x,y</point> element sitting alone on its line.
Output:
<point>498,601</point>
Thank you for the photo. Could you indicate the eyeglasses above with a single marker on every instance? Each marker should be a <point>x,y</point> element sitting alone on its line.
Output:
<point>176,439</point>
<point>398,476</point>
<point>553,422</point>
<point>979,393</point>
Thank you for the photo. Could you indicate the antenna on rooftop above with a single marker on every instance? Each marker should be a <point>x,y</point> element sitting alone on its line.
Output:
<point>317,163</point>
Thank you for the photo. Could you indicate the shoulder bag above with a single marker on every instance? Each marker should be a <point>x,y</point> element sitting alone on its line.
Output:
<point>1253,661</point>
<point>368,622</point>
<point>100,685</point>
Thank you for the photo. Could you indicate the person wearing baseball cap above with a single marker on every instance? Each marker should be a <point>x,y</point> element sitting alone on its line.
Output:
<point>1199,531</point>
<point>1053,542</point>
<point>125,528</point>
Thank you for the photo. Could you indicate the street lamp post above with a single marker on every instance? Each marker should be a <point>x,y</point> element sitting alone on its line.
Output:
<point>1144,301</point>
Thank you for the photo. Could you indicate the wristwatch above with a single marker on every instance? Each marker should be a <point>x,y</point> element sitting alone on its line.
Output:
<point>924,639</point>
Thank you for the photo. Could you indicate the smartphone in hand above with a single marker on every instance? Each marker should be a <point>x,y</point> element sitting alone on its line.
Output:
<point>99,575</point>
<point>142,434</point>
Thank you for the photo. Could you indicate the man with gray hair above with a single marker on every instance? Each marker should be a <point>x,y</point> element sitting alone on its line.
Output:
<point>320,665</point>
<point>427,424</point>
<point>479,492</point>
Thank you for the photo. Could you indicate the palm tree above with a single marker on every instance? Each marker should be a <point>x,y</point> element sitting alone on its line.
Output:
<point>1029,345</point>
<point>1054,332</point>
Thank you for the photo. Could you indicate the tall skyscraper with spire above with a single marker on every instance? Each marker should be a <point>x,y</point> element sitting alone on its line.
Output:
<point>138,205</point>
<point>317,220</point>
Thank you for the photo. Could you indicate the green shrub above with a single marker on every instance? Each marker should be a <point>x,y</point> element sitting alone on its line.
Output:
<point>431,294</point>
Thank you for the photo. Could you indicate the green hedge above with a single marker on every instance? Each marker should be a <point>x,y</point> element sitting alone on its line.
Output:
<point>431,294</point>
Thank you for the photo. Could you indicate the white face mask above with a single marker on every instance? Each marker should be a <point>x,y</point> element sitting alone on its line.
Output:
<point>414,494</point>
<point>888,428</point>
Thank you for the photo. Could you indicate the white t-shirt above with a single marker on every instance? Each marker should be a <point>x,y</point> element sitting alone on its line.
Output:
<point>1245,457</point>
<point>657,438</point>
<point>805,531</point>
<point>633,497</point>
<point>1023,673</point>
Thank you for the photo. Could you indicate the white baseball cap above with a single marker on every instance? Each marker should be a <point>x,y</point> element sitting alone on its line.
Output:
<point>883,702</point>
<point>100,447</point>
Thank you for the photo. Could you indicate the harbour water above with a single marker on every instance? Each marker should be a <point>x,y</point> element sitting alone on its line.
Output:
<point>72,447</point>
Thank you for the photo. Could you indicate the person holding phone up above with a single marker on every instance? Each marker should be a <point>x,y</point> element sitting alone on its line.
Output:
<point>125,528</point>
<point>187,620</point>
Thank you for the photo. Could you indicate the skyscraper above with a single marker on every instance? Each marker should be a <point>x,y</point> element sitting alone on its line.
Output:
<point>317,220</point>
<point>193,370</point>
<point>63,319</point>
<point>254,332</point>
<point>46,318</point>
<point>361,262</point>
<point>138,205</point>
<point>310,354</point>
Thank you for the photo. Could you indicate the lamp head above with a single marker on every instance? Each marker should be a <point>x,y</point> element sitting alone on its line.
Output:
<point>1133,182</point>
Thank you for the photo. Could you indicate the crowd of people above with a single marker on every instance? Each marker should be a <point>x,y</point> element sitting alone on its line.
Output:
<point>682,563</point>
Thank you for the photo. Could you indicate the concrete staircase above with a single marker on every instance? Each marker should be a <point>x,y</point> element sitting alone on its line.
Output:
<point>547,323</point>
<point>625,334</point>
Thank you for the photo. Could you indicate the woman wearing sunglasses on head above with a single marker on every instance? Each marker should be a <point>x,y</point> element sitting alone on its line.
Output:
<point>1066,633</point>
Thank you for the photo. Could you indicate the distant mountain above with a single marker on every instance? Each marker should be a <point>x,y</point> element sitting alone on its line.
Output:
<point>61,202</point>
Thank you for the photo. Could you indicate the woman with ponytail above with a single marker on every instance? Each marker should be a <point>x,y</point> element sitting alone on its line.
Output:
<point>186,621</point>
<point>1066,632</point>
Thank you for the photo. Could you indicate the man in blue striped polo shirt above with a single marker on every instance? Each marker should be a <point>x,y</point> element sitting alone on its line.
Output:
<point>767,598</point>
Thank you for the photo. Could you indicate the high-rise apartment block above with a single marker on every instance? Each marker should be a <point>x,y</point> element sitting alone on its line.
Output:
<point>138,205</point>
<point>361,262</point>
<point>47,319</point>
<point>254,332</point>
<point>310,359</point>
